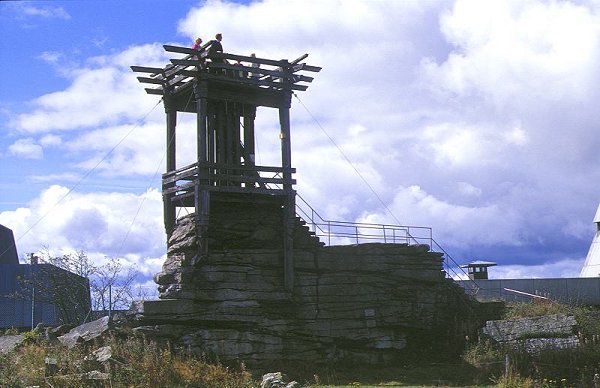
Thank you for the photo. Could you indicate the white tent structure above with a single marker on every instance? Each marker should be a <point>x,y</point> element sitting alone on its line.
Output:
<point>591,268</point>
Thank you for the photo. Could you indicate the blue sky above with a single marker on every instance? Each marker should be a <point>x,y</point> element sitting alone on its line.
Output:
<point>479,120</point>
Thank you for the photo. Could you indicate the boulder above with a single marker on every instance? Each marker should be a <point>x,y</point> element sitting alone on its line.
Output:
<point>556,331</point>
<point>86,332</point>
<point>8,343</point>
<point>276,380</point>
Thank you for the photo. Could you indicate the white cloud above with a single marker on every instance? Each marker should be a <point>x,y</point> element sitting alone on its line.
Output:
<point>27,149</point>
<point>65,177</point>
<point>50,140</point>
<point>566,268</point>
<point>455,225</point>
<point>47,12</point>
<point>106,92</point>
<point>51,57</point>
<point>101,223</point>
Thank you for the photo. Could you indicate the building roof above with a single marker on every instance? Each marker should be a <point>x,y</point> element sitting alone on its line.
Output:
<point>479,263</point>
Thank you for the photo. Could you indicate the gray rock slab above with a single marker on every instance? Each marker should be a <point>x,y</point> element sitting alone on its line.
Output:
<point>8,343</point>
<point>86,332</point>
<point>509,330</point>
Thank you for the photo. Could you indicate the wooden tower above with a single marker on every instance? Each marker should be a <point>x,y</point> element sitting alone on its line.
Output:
<point>224,91</point>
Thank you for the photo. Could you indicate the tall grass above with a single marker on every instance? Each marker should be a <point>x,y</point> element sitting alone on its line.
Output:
<point>136,362</point>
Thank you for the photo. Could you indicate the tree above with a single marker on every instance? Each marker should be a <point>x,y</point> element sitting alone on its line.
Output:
<point>106,287</point>
<point>56,294</point>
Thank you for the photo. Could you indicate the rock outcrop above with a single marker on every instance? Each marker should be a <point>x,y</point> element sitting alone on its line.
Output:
<point>534,334</point>
<point>367,303</point>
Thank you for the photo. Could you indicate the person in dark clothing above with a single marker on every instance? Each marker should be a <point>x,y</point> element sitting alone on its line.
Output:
<point>216,47</point>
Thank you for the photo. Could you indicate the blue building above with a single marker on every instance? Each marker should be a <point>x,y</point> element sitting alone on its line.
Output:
<point>38,293</point>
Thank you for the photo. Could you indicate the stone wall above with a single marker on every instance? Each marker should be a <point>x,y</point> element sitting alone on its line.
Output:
<point>366,303</point>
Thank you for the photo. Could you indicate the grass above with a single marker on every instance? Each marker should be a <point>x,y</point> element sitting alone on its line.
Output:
<point>138,363</point>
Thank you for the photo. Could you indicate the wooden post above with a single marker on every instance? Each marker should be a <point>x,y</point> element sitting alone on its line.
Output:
<point>211,133</point>
<point>168,206</point>
<point>249,116</point>
<point>201,196</point>
<point>289,210</point>
<point>201,112</point>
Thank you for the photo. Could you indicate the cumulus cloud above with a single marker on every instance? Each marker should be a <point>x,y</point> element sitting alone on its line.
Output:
<point>116,95</point>
<point>567,268</point>
<point>26,148</point>
<point>100,223</point>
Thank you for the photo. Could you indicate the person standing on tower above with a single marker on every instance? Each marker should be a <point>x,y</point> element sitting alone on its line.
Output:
<point>197,44</point>
<point>216,47</point>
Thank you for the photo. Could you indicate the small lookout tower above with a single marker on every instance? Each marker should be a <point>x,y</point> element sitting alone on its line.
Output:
<point>478,270</point>
<point>224,90</point>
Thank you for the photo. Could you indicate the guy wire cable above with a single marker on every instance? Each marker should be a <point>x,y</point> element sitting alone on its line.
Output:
<point>86,174</point>
<point>348,160</point>
<point>171,139</point>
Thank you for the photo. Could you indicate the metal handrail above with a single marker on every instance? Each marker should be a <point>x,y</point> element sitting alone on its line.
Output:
<point>337,232</point>
<point>340,232</point>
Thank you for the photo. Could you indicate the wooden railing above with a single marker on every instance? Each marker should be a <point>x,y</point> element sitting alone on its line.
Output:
<point>226,178</point>
<point>225,67</point>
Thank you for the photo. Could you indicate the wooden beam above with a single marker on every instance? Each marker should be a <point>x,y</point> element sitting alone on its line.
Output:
<point>295,61</point>
<point>179,49</point>
<point>144,69</point>
<point>159,92</point>
<point>304,66</point>
<point>187,62</point>
<point>244,58</point>
<point>151,80</point>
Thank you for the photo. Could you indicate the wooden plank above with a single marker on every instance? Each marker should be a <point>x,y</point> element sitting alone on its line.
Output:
<point>233,189</point>
<point>177,80</point>
<point>267,82</point>
<point>144,69</point>
<point>151,80</point>
<point>301,78</point>
<point>248,69</point>
<point>159,92</point>
<point>246,168</point>
<point>187,62</point>
<point>246,178</point>
<point>184,50</point>
<point>188,73</point>
<point>295,61</point>
<point>179,49</point>
<point>304,66</point>
<point>244,58</point>
<point>187,186</point>
<point>178,195</point>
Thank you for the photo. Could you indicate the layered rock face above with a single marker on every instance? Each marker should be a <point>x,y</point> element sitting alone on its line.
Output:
<point>534,334</point>
<point>366,303</point>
